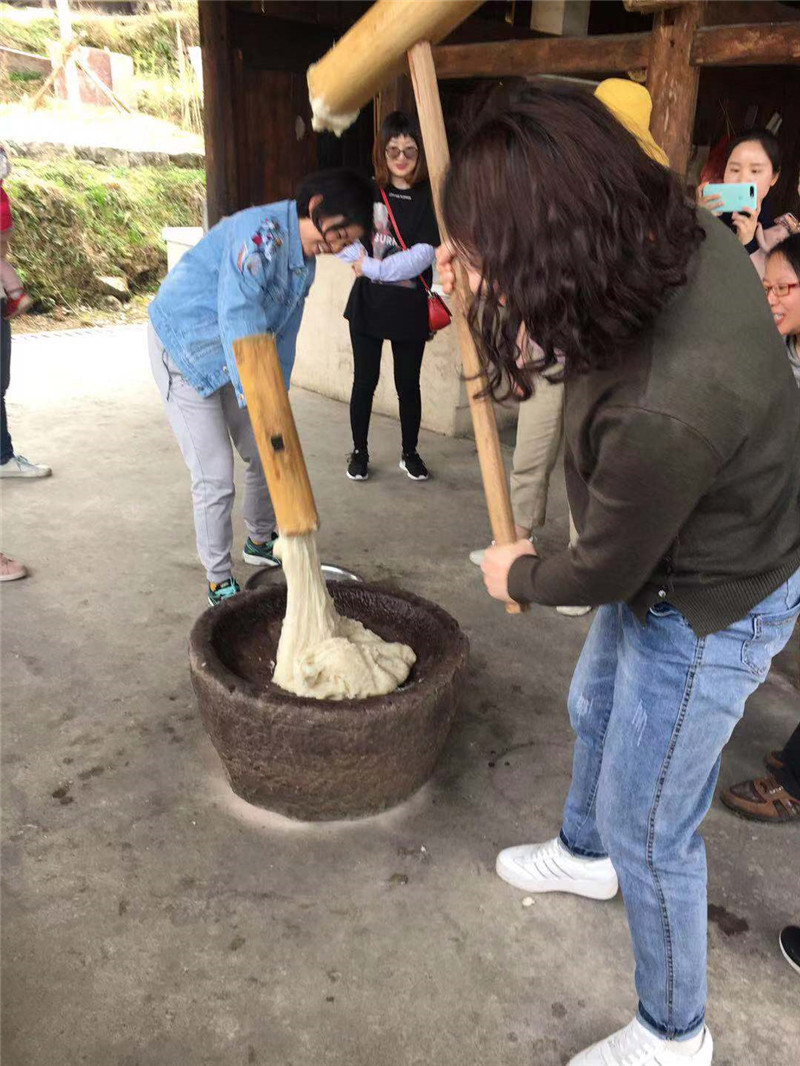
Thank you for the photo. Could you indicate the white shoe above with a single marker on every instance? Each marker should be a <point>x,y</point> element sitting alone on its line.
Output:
<point>636,1046</point>
<point>19,466</point>
<point>573,612</point>
<point>550,868</point>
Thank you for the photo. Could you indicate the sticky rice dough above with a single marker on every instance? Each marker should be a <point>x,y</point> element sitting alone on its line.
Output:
<point>320,653</point>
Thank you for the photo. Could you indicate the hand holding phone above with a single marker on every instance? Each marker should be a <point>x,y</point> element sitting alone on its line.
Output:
<point>728,197</point>
<point>745,223</point>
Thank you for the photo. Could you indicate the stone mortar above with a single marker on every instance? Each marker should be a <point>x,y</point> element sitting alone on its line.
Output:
<point>325,759</point>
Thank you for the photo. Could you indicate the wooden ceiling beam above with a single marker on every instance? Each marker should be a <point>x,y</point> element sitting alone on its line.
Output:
<point>753,44</point>
<point>762,44</point>
<point>646,7</point>
<point>543,55</point>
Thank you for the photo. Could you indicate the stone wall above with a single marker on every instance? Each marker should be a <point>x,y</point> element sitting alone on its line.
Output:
<point>324,361</point>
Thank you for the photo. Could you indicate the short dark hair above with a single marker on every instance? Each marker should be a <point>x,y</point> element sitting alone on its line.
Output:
<point>344,192</point>
<point>789,248</point>
<point>579,235</point>
<point>767,140</point>
<point>398,124</point>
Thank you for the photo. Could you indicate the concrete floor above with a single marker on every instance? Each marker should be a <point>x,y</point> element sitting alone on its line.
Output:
<point>150,921</point>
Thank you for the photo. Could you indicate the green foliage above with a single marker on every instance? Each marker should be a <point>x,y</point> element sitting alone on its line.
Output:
<point>149,39</point>
<point>76,220</point>
<point>181,104</point>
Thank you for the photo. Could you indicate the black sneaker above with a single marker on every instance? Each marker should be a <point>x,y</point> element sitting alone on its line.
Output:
<point>789,941</point>
<point>358,465</point>
<point>414,467</point>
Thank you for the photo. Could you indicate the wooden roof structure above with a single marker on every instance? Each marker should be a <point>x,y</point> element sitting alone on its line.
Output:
<point>258,137</point>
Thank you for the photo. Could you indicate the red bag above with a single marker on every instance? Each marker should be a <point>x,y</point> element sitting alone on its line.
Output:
<point>438,312</point>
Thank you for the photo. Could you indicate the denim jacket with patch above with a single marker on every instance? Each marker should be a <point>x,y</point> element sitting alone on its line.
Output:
<point>247,275</point>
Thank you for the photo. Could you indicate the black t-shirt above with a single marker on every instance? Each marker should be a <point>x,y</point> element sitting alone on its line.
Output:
<point>396,310</point>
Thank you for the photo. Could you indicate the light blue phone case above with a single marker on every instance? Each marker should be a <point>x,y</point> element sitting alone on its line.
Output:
<point>735,196</point>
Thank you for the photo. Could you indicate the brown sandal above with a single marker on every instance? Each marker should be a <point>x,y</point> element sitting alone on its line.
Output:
<point>763,799</point>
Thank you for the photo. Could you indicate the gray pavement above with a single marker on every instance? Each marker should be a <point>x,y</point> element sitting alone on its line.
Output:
<point>149,920</point>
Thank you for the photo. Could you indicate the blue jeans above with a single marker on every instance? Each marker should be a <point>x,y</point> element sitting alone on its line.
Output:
<point>652,707</point>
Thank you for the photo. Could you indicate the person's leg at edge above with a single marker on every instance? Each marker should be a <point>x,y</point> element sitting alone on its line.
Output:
<point>539,430</point>
<point>677,698</point>
<point>789,773</point>
<point>258,512</point>
<point>366,374</point>
<point>199,425</point>
<point>407,370</point>
<point>6,447</point>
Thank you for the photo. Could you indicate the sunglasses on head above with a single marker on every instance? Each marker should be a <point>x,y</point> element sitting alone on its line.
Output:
<point>409,153</point>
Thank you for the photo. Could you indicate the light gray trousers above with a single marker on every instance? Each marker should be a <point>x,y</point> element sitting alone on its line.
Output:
<point>205,426</point>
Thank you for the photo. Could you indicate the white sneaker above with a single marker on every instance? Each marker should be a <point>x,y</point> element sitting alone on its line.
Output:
<point>636,1046</point>
<point>550,868</point>
<point>19,466</point>
<point>573,612</point>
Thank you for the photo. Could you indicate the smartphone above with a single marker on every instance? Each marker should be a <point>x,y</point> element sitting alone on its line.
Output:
<point>735,196</point>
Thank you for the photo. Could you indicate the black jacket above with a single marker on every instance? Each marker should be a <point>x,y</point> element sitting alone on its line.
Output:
<point>683,462</point>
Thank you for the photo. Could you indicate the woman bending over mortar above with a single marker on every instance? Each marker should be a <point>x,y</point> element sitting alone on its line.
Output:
<point>250,274</point>
<point>683,475</point>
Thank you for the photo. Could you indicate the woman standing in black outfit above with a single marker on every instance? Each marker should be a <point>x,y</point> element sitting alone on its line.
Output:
<point>388,300</point>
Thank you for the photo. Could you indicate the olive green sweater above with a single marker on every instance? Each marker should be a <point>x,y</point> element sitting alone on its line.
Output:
<point>683,462</point>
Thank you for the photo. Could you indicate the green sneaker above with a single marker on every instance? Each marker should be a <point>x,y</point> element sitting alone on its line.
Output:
<point>260,554</point>
<point>223,591</point>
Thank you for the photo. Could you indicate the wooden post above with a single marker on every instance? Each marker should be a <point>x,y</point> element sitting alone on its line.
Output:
<point>396,96</point>
<point>276,434</point>
<point>673,80</point>
<point>34,101</point>
<point>437,154</point>
<point>218,123</point>
<point>70,70</point>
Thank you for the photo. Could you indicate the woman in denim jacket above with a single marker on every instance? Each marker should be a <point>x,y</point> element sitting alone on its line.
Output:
<point>250,274</point>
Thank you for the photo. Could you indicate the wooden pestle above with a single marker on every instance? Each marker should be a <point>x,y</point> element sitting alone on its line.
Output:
<point>276,434</point>
<point>437,155</point>
<point>372,52</point>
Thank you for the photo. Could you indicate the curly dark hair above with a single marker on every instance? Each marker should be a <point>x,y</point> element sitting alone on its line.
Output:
<point>578,234</point>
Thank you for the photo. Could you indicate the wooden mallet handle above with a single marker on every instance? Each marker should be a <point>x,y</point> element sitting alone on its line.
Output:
<point>437,155</point>
<point>276,434</point>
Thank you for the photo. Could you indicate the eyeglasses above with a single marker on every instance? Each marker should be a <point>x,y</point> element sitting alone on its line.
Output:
<point>409,153</point>
<point>781,289</point>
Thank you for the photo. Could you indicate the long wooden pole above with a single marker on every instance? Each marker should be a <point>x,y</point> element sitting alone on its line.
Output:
<point>437,155</point>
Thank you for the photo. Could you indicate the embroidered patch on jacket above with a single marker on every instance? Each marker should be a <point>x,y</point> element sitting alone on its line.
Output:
<point>260,249</point>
